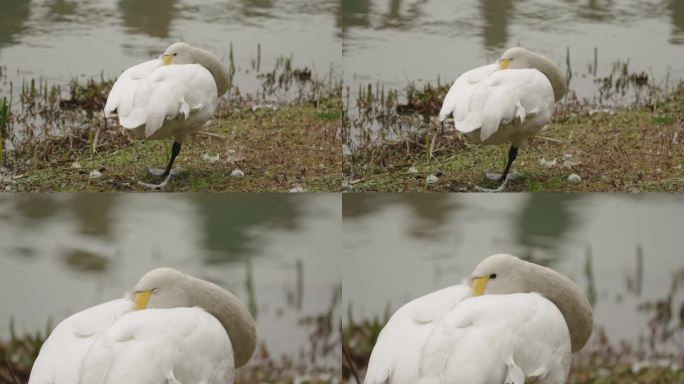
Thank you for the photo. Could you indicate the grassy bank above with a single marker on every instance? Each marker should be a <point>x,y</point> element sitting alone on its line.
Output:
<point>634,148</point>
<point>285,137</point>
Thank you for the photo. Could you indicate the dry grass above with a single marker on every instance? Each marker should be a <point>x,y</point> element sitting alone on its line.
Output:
<point>284,137</point>
<point>629,149</point>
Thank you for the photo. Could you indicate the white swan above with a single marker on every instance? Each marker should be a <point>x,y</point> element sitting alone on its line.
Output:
<point>168,97</point>
<point>505,102</point>
<point>175,329</point>
<point>515,321</point>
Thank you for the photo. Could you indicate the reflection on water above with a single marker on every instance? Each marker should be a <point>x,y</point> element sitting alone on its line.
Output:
<point>61,39</point>
<point>66,252</point>
<point>151,17</point>
<point>12,18</point>
<point>395,41</point>
<point>622,251</point>
<point>676,8</point>
<point>496,14</point>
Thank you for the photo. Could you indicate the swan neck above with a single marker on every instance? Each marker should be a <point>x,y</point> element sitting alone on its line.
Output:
<point>569,299</point>
<point>214,66</point>
<point>552,72</point>
<point>231,313</point>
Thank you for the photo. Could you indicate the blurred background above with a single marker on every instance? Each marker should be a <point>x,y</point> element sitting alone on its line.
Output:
<point>395,42</point>
<point>58,40</point>
<point>623,251</point>
<point>280,254</point>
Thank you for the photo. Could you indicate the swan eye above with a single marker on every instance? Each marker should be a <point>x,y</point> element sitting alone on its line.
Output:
<point>492,276</point>
<point>175,54</point>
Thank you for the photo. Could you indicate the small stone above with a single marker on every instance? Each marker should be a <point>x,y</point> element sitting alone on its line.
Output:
<point>432,179</point>
<point>237,173</point>
<point>210,159</point>
<point>297,189</point>
<point>75,165</point>
<point>574,178</point>
<point>547,163</point>
<point>413,170</point>
<point>95,174</point>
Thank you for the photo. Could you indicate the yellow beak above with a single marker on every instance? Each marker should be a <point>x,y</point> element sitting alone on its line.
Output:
<point>479,285</point>
<point>141,298</point>
<point>167,59</point>
<point>505,63</point>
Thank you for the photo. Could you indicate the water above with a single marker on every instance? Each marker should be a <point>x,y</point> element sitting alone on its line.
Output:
<point>399,247</point>
<point>61,39</point>
<point>394,42</point>
<point>61,253</point>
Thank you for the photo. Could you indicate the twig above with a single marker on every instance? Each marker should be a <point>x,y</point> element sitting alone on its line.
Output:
<point>548,139</point>
<point>212,135</point>
<point>11,371</point>
<point>345,352</point>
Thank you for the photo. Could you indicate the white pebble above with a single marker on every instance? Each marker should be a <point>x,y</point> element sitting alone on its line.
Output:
<point>75,165</point>
<point>95,174</point>
<point>237,173</point>
<point>547,163</point>
<point>413,170</point>
<point>210,159</point>
<point>574,178</point>
<point>432,179</point>
<point>297,189</point>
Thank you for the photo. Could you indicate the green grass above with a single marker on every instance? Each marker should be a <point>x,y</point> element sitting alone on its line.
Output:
<point>633,149</point>
<point>288,144</point>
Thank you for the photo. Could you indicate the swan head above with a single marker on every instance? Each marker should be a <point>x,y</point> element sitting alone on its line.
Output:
<point>505,274</point>
<point>178,53</point>
<point>498,274</point>
<point>519,58</point>
<point>167,288</point>
<point>161,288</point>
<point>516,58</point>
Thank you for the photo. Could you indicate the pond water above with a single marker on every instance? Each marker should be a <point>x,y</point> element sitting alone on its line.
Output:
<point>61,39</point>
<point>394,42</point>
<point>399,247</point>
<point>62,253</point>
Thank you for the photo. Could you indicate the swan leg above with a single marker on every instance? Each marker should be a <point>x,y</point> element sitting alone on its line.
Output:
<point>168,172</point>
<point>159,172</point>
<point>505,176</point>
<point>156,186</point>
<point>495,176</point>
<point>512,154</point>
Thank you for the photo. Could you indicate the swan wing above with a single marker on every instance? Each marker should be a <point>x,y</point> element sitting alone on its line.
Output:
<point>457,100</point>
<point>60,357</point>
<point>179,345</point>
<point>489,339</point>
<point>111,343</point>
<point>401,337</point>
<point>150,93</point>
<point>504,97</point>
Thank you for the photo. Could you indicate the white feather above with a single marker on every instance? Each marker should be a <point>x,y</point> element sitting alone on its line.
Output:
<point>111,344</point>
<point>156,101</point>
<point>489,339</point>
<point>493,106</point>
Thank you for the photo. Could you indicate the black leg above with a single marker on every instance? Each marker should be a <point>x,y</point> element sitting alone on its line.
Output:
<point>175,150</point>
<point>512,154</point>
